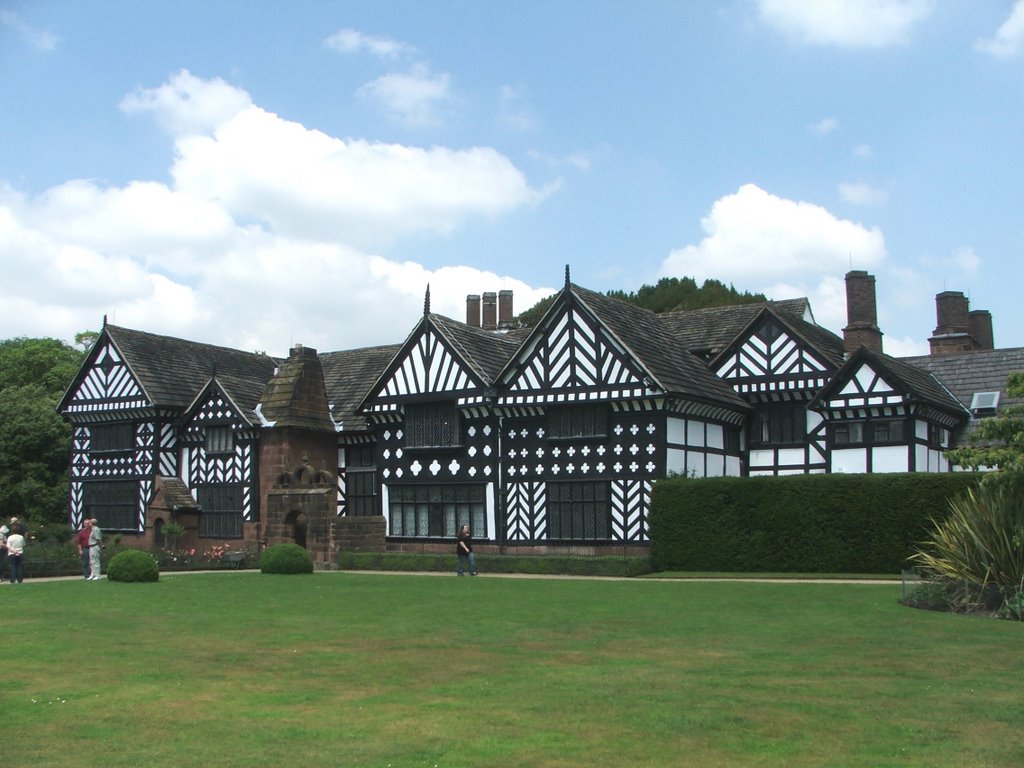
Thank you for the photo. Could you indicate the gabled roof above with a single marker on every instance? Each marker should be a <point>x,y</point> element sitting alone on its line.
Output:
<point>173,371</point>
<point>348,376</point>
<point>708,331</point>
<point>921,385</point>
<point>828,346</point>
<point>673,368</point>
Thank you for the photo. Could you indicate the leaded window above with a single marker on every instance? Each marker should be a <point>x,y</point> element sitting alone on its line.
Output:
<point>361,497</point>
<point>869,432</point>
<point>221,514</point>
<point>779,424</point>
<point>578,421</point>
<point>113,503</point>
<point>436,510</point>
<point>578,511</point>
<point>219,439</point>
<point>432,425</point>
<point>112,437</point>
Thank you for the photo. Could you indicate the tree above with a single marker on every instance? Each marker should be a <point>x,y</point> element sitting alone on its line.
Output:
<point>998,443</point>
<point>669,294</point>
<point>35,442</point>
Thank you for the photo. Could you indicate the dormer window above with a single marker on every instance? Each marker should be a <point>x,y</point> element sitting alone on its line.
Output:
<point>984,403</point>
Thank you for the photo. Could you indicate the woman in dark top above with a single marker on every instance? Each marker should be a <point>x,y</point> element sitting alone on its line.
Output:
<point>464,549</point>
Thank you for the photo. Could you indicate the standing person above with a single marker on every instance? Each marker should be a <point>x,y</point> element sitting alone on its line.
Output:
<point>4,530</point>
<point>95,539</point>
<point>15,553</point>
<point>464,549</point>
<point>82,539</point>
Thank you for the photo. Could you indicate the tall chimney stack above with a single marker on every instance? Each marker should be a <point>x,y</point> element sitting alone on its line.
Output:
<point>490,311</point>
<point>861,313</point>
<point>952,329</point>
<point>504,309</point>
<point>979,323</point>
<point>473,310</point>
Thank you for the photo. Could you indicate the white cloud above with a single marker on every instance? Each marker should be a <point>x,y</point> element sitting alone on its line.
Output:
<point>414,97</point>
<point>966,260</point>
<point>1009,38</point>
<point>187,104</point>
<point>784,248</point>
<point>265,237</point>
<point>825,126</point>
<point>353,41</point>
<point>860,193</point>
<point>863,151</point>
<point>514,113</point>
<point>39,39</point>
<point>845,23</point>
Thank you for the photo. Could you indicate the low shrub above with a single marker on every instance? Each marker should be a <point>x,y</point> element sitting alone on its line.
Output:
<point>1013,608</point>
<point>285,558</point>
<point>930,595</point>
<point>133,565</point>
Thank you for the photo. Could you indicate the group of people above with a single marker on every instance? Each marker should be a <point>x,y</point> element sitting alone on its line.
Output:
<point>12,550</point>
<point>90,540</point>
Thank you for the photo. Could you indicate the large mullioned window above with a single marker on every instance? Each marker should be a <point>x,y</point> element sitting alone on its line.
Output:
<point>436,510</point>
<point>221,515</point>
<point>779,424</point>
<point>111,437</point>
<point>578,511</point>
<point>113,503</point>
<point>578,421</point>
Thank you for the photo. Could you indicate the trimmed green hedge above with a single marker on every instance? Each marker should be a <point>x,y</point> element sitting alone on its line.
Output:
<point>540,564</point>
<point>800,523</point>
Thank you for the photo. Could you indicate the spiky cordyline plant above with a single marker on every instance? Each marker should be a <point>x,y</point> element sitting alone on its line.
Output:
<point>981,542</point>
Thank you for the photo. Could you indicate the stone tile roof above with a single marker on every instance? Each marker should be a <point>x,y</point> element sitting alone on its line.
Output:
<point>966,373</point>
<point>919,383</point>
<point>176,493</point>
<point>674,369</point>
<point>173,371</point>
<point>348,376</point>
<point>706,332</point>
<point>486,352</point>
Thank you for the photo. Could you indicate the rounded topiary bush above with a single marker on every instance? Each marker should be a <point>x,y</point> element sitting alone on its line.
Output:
<point>133,565</point>
<point>285,558</point>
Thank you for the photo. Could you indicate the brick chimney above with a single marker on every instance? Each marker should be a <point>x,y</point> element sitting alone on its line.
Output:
<point>952,329</point>
<point>979,323</point>
<point>490,311</point>
<point>473,310</point>
<point>861,314</point>
<point>504,308</point>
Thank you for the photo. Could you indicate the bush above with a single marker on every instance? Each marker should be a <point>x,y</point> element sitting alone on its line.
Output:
<point>980,545</point>
<point>930,595</point>
<point>133,565</point>
<point>1013,608</point>
<point>285,558</point>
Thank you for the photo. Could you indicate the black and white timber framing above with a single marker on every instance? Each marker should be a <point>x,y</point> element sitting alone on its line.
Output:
<point>539,438</point>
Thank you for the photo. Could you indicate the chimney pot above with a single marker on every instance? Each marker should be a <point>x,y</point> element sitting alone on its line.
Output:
<point>473,310</point>
<point>861,313</point>
<point>490,311</point>
<point>504,308</point>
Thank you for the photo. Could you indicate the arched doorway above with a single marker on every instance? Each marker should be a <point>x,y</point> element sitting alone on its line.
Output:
<point>297,524</point>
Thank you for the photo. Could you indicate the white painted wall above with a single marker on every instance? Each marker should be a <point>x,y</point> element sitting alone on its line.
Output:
<point>850,460</point>
<point>890,458</point>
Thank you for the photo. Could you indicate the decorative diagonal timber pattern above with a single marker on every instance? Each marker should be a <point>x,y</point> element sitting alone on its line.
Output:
<point>630,500</point>
<point>429,367</point>
<point>525,511</point>
<point>108,385</point>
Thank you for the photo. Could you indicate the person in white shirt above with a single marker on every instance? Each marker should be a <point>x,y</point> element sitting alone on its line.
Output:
<point>95,540</point>
<point>15,554</point>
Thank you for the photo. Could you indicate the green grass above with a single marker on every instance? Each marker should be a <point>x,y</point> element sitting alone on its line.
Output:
<point>349,669</point>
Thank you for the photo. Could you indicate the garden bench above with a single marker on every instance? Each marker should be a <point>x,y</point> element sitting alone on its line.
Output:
<point>234,559</point>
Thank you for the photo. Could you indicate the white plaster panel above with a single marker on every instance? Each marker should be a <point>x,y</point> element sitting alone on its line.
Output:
<point>813,420</point>
<point>675,461</point>
<point>716,465</point>
<point>695,433</point>
<point>850,460</point>
<point>716,436</point>
<point>791,456</point>
<point>732,466</point>
<point>891,458</point>
<point>921,429</point>
<point>695,463</point>
<point>675,431</point>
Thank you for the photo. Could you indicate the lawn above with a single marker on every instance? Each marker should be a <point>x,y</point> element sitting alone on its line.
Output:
<point>356,669</point>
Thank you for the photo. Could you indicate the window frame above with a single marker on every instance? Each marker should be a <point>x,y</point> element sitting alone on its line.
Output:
<point>218,439</point>
<point>116,505</point>
<point>779,423</point>
<point>577,421</point>
<point>569,502</point>
<point>851,433</point>
<point>112,438</point>
<point>437,510</point>
<point>216,522</point>
<point>432,425</point>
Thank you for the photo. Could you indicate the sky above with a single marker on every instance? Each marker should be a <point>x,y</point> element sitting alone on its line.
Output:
<point>264,174</point>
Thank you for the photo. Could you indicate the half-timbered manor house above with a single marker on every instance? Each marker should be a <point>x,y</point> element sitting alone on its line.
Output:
<point>540,438</point>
